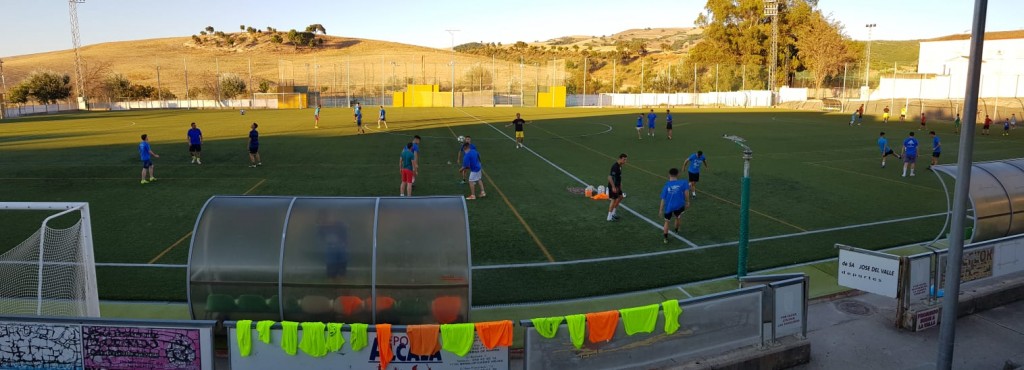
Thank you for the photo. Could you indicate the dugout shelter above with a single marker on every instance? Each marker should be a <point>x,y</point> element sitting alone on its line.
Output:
<point>996,198</point>
<point>333,259</point>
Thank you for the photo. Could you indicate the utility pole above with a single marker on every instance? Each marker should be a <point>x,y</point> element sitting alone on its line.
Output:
<point>217,64</point>
<point>584,81</point>
<point>184,61</point>
<point>159,93</point>
<point>3,93</point>
<point>252,96</point>
<point>867,67</point>
<point>954,260</point>
<point>77,44</point>
<point>452,33</point>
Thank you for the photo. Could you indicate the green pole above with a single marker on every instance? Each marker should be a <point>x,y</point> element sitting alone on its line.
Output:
<point>741,266</point>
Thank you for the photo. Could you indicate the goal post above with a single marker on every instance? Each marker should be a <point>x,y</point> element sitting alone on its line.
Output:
<point>53,271</point>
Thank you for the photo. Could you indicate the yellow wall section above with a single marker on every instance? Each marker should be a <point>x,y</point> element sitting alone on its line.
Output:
<point>555,98</point>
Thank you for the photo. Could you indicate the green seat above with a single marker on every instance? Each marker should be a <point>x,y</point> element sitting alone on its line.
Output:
<point>290,305</point>
<point>252,303</point>
<point>219,304</point>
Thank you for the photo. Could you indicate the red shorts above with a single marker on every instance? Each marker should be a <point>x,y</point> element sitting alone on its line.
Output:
<point>407,175</point>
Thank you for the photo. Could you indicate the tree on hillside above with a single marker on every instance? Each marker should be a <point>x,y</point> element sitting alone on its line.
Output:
<point>118,86</point>
<point>241,27</point>
<point>19,94</point>
<point>477,77</point>
<point>823,48</point>
<point>46,86</point>
<point>316,27</point>
<point>301,38</point>
<point>265,85</point>
<point>231,86</point>
<point>209,29</point>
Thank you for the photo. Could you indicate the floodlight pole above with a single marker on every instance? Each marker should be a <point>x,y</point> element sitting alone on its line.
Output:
<point>771,9</point>
<point>748,154</point>
<point>867,67</point>
<point>452,33</point>
<point>947,329</point>
<point>76,43</point>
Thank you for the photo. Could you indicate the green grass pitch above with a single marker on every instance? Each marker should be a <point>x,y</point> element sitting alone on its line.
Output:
<point>811,171</point>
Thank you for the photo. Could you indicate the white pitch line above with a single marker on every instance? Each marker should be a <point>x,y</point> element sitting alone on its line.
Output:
<point>683,250</point>
<point>688,295</point>
<point>567,173</point>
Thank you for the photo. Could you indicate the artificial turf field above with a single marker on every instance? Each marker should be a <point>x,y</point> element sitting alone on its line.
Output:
<point>811,172</point>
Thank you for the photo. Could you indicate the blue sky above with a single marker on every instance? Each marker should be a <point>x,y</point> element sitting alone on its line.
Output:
<point>31,26</point>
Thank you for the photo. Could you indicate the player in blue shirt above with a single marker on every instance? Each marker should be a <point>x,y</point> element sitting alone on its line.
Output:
<point>692,165</point>
<point>936,149</point>
<point>650,122</point>
<point>639,126</point>
<point>673,201</point>
<point>668,123</point>
<point>146,154</point>
<point>883,145</point>
<point>471,163</point>
<point>382,117</point>
<point>195,143</point>
<point>358,117</point>
<point>316,117</point>
<point>461,154</point>
<point>254,147</point>
<point>909,154</point>
<point>1006,127</point>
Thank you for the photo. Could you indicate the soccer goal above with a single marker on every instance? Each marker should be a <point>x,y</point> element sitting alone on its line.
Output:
<point>53,271</point>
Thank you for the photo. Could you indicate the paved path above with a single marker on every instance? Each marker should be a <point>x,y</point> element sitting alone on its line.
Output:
<point>843,340</point>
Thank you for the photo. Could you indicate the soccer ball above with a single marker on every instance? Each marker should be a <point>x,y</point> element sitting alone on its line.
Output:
<point>462,139</point>
<point>242,112</point>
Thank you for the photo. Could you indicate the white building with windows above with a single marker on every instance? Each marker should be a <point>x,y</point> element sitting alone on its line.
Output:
<point>943,63</point>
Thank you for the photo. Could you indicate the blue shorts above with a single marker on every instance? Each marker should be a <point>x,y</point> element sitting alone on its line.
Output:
<point>676,213</point>
<point>147,163</point>
<point>910,158</point>
<point>254,149</point>
<point>650,125</point>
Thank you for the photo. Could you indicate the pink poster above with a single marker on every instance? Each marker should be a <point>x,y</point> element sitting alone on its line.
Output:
<point>112,347</point>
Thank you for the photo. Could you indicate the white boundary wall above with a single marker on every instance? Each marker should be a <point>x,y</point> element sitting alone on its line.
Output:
<point>948,87</point>
<point>748,98</point>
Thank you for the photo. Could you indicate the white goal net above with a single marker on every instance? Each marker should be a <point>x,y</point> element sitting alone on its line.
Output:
<point>52,272</point>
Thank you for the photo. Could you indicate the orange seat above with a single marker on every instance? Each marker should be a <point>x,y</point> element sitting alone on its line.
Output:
<point>385,303</point>
<point>349,305</point>
<point>446,309</point>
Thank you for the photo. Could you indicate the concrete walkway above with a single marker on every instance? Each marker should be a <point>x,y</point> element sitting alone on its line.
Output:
<point>858,333</point>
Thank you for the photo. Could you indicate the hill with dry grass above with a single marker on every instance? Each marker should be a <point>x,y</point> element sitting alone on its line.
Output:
<point>337,64</point>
